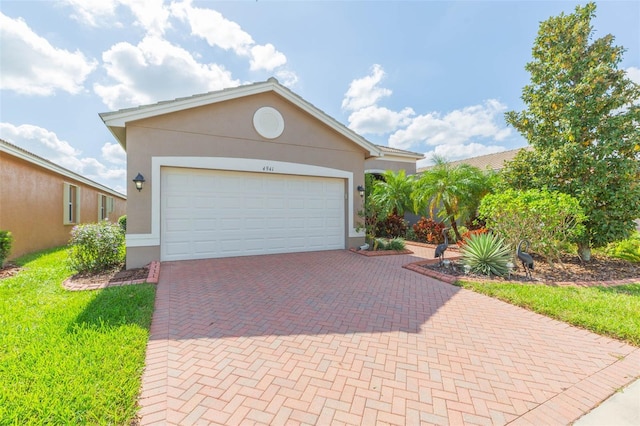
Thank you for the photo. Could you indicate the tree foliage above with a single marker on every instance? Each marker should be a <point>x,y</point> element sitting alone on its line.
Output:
<point>582,121</point>
<point>454,191</point>
<point>549,220</point>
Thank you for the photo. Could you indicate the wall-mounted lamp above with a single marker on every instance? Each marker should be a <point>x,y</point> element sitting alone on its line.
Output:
<point>361,190</point>
<point>139,181</point>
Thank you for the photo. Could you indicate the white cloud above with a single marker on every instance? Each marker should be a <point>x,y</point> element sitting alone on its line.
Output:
<point>210,25</point>
<point>46,144</point>
<point>364,92</point>
<point>96,13</point>
<point>114,153</point>
<point>286,77</point>
<point>150,15</point>
<point>633,74</point>
<point>156,70</point>
<point>30,65</point>
<point>266,57</point>
<point>220,32</point>
<point>454,128</point>
<point>378,120</point>
<point>454,135</point>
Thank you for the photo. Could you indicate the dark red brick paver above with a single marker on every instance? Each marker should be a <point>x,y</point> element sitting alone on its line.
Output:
<point>338,338</point>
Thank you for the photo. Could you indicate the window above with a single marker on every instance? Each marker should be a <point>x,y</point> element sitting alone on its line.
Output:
<point>71,204</point>
<point>102,207</point>
<point>105,207</point>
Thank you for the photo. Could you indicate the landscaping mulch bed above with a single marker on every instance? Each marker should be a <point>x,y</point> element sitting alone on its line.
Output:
<point>113,276</point>
<point>570,269</point>
<point>9,270</point>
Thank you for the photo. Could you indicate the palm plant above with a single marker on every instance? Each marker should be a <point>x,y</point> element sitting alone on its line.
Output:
<point>455,191</point>
<point>393,194</point>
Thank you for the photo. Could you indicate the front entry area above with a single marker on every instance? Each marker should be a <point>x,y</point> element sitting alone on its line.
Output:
<point>216,213</point>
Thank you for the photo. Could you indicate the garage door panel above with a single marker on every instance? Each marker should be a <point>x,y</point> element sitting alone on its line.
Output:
<point>212,213</point>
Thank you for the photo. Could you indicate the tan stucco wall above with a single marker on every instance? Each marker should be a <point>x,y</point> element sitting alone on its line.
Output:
<point>382,164</point>
<point>226,130</point>
<point>31,205</point>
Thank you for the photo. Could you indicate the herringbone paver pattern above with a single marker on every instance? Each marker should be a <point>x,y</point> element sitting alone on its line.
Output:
<point>337,338</point>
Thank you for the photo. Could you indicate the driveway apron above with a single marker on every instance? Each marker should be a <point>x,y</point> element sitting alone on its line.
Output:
<point>338,338</point>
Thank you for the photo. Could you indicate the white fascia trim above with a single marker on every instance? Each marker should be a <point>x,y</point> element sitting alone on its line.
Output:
<point>33,159</point>
<point>234,164</point>
<point>374,171</point>
<point>121,118</point>
<point>397,158</point>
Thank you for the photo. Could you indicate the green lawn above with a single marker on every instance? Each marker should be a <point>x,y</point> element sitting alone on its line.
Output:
<point>69,357</point>
<point>610,311</point>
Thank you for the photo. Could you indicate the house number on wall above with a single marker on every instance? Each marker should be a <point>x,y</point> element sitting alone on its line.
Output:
<point>267,169</point>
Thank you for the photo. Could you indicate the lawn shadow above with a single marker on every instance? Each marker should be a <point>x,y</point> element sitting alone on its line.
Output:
<point>118,306</point>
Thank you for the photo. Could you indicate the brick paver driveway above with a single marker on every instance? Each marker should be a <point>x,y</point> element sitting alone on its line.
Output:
<point>338,338</point>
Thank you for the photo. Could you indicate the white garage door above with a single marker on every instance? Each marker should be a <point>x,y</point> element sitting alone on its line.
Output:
<point>214,213</point>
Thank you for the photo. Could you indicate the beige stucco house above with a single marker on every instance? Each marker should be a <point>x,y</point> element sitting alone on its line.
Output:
<point>249,170</point>
<point>40,202</point>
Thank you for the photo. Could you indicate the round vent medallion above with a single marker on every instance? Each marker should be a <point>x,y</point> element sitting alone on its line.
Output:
<point>268,122</point>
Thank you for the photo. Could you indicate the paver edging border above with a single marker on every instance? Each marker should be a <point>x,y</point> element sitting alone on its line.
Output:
<point>152,278</point>
<point>418,267</point>
<point>369,253</point>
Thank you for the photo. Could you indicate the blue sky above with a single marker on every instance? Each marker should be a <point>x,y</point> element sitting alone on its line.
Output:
<point>427,76</point>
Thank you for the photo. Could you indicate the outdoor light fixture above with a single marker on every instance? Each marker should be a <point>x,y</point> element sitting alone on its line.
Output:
<point>139,181</point>
<point>361,190</point>
<point>467,269</point>
<point>447,263</point>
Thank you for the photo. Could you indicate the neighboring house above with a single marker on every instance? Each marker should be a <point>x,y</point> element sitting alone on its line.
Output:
<point>249,170</point>
<point>494,162</point>
<point>40,202</point>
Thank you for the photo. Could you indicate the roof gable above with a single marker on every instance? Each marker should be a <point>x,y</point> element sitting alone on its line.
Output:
<point>116,121</point>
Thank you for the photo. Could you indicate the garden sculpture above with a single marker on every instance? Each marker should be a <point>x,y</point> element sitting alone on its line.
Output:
<point>525,258</point>
<point>440,249</point>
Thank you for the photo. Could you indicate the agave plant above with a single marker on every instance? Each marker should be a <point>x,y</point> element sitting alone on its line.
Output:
<point>486,254</point>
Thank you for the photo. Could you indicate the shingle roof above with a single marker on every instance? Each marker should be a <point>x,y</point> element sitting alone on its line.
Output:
<point>492,161</point>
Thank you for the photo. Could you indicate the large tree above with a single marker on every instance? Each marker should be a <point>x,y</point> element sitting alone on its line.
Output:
<point>582,121</point>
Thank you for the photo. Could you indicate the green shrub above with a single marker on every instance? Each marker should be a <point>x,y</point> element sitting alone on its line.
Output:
<point>391,227</point>
<point>628,249</point>
<point>429,231</point>
<point>389,244</point>
<point>486,254</point>
<point>122,221</point>
<point>96,247</point>
<point>549,220</point>
<point>6,239</point>
<point>396,244</point>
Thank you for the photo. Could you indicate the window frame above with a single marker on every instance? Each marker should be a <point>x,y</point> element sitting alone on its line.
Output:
<point>71,204</point>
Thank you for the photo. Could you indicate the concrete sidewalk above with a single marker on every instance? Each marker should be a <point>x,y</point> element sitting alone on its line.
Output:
<point>621,409</point>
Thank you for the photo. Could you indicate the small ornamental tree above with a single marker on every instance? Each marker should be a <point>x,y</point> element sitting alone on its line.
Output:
<point>96,247</point>
<point>392,194</point>
<point>581,121</point>
<point>453,191</point>
<point>548,220</point>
